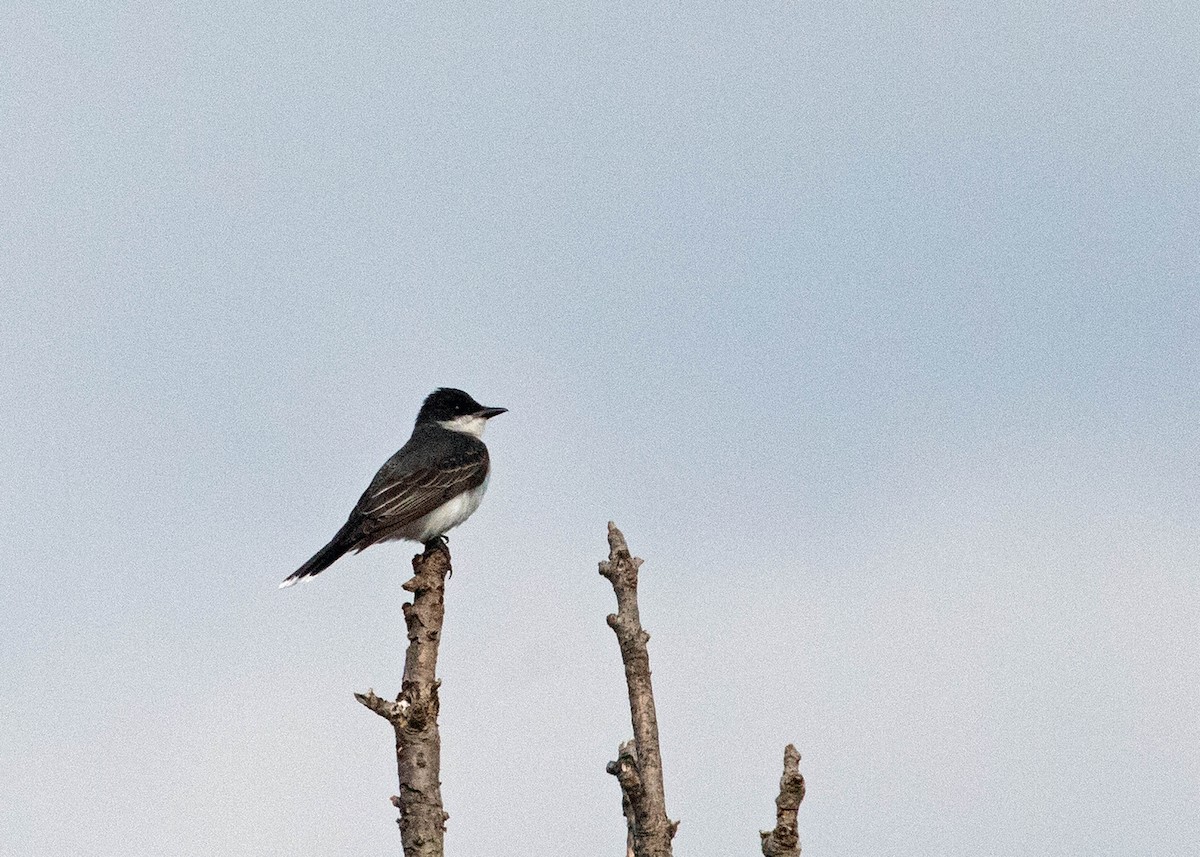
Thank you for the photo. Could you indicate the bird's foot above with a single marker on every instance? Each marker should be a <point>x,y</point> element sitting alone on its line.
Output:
<point>440,543</point>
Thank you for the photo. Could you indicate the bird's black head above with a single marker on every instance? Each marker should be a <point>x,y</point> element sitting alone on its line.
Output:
<point>446,403</point>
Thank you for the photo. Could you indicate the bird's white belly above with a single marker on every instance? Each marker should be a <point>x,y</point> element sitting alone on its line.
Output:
<point>446,516</point>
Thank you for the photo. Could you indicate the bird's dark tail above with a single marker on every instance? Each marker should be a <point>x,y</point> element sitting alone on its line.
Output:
<point>322,559</point>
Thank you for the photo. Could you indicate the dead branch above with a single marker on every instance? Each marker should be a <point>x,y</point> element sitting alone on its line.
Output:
<point>784,840</point>
<point>640,772</point>
<point>414,713</point>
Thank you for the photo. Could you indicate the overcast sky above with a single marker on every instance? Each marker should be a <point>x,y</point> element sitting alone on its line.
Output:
<point>874,326</point>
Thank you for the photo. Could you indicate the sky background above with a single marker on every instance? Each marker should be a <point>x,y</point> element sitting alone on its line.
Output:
<point>875,326</point>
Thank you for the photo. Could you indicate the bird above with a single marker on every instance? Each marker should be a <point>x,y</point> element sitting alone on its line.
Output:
<point>431,485</point>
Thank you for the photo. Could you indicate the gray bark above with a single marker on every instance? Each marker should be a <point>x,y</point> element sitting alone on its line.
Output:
<point>414,713</point>
<point>625,770</point>
<point>784,841</point>
<point>639,772</point>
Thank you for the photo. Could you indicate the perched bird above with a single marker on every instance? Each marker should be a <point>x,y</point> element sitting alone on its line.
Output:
<point>430,486</point>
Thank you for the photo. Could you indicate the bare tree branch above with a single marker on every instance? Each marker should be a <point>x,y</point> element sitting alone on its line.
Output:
<point>653,831</point>
<point>414,713</point>
<point>784,840</point>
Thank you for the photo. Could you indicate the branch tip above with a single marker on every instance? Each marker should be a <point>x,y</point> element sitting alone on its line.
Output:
<point>784,841</point>
<point>616,540</point>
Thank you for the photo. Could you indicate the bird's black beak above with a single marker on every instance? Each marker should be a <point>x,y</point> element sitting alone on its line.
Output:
<point>488,413</point>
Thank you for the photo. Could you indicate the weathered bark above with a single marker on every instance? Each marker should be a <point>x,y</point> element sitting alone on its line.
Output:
<point>640,773</point>
<point>414,713</point>
<point>625,770</point>
<point>784,841</point>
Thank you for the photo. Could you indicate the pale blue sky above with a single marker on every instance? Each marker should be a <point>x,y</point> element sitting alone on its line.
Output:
<point>875,326</point>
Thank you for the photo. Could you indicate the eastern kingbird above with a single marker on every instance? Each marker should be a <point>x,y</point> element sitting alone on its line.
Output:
<point>430,486</point>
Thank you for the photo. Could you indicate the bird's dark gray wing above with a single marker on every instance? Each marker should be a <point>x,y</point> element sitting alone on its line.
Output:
<point>407,488</point>
<point>434,466</point>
